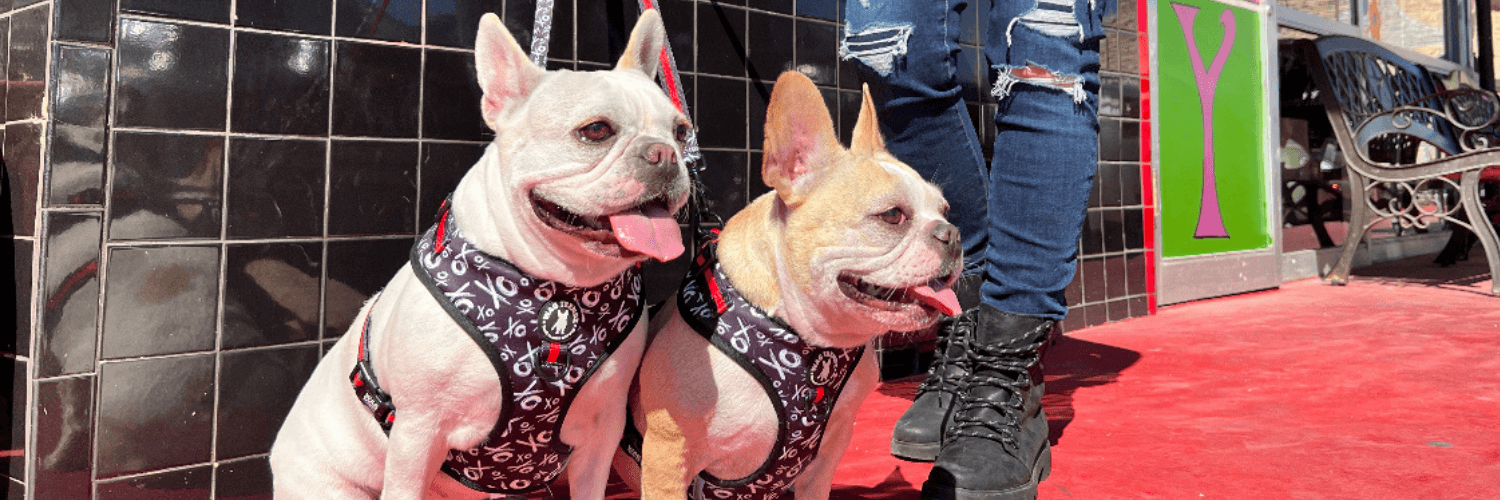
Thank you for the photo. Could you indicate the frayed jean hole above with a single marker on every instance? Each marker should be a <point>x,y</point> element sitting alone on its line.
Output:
<point>875,46</point>
<point>1036,75</point>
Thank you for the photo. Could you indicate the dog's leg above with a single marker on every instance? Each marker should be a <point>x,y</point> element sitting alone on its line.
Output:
<point>600,408</point>
<point>415,452</point>
<point>815,482</point>
<point>588,468</point>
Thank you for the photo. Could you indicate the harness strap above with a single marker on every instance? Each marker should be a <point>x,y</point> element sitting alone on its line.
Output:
<point>366,386</point>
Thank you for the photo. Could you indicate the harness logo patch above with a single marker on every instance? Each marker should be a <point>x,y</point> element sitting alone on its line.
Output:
<point>559,320</point>
<point>820,368</point>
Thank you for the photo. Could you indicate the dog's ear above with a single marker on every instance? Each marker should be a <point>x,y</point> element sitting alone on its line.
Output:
<point>506,74</point>
<point>866,138</point>
<point>800,139</point>
<point>646,40</point>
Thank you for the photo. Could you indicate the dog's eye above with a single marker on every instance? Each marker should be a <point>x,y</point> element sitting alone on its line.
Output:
<point>894,216</point>
<point>682,133</point>
<point>596,132</point>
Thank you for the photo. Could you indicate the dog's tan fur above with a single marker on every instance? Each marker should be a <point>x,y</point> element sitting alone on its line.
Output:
<point>443,386</point>
<point>699,411</point>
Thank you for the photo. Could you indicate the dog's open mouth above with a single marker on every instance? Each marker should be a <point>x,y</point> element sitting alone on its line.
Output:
<point>935,295</point>
<point>646,229</point>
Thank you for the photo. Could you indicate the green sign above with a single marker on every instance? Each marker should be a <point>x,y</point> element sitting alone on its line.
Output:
<point>1214,122</point>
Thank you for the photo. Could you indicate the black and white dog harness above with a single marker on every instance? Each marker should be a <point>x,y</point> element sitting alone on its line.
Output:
<point>803,381</point>
<point>544,339</point>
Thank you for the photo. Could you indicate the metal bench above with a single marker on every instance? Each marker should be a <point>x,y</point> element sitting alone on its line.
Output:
<point>1382,109</point>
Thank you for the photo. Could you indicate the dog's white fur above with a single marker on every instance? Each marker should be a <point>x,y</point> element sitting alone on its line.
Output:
<point>696,408</point>
<point>444,388</point>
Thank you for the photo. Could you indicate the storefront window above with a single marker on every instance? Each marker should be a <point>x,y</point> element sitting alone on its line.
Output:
<point>1411,24</point>
<point>1337,10</point>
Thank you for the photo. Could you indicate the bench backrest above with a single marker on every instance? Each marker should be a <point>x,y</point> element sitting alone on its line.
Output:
<point>1359,79</point>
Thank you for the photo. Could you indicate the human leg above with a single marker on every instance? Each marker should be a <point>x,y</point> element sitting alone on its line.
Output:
<point>907,52</point>
<point>1045,54</point>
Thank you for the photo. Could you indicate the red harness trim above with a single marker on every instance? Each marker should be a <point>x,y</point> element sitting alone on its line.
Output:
<point>713,289</point>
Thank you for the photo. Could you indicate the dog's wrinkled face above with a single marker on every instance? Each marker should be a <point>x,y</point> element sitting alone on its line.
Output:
<point>590,160</point>
<point>865,237</point>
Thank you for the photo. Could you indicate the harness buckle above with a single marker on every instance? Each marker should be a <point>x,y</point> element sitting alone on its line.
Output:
<point>369,393</point>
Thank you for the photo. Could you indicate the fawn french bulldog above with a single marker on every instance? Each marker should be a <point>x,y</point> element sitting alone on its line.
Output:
<point>500,356</point>
<point>753,376</point>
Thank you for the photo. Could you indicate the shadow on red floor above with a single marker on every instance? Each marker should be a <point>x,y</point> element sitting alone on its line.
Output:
<point>1388,388</point>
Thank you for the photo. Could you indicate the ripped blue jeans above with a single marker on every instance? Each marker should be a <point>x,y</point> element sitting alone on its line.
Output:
<point>1020,218</point>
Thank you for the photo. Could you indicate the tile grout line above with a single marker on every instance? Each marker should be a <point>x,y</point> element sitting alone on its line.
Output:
<point>333,54</point>
<point>222,292</point>
<point>96,390</point>
<point>30,417</point>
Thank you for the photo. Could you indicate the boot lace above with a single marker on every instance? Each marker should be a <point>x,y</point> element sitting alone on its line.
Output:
<point>1011,363</point>
<point>938,377</point>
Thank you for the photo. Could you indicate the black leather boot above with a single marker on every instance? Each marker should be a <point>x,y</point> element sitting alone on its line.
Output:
<point>919,433</point>
<point>996,447</point>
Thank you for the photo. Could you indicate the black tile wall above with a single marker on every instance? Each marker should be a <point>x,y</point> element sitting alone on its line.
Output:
<point>821,66</point>
<point>1111,279</point>
<point>298,16</point>
<point>721,40</point>
<point>275,187</point>
<point>375,90</point>
<point>726,189</point>
<point>4,49</point>
<point>390,20</point>
<point>153,414</point>
<point>212,11</point>
<point>166,186</point>
<point>171,75</point>
<point>721,122</point>
<point>827,10</point>
<point>451,22</point>
<point>373,186</point>
<point>64,436</point>
<point>193,483</point>
<point>248,479</point>
<point>23,164</point>
<point>27,67</point>
<point>443,164</point>
<point>356,270</point>
<point>272,293</point>
<point>280,85</point>
<point>70,294</point>
<point>80,98</point>
<point>610,22</point>
<point>83,20</point>
<point>770,46</point>
<point>244,175</point>
<point>253,401</point>
<point>678,18</point>
<point>450,98</point>
<point>160,300</point>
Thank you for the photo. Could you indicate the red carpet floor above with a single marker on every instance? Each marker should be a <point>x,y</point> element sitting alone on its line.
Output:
<point>1388,388</point>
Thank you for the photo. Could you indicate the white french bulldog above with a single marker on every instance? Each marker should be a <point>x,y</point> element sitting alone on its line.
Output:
<point>579,186</point>
<point>850,244</point>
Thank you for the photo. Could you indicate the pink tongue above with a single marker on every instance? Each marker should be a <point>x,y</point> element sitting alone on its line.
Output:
<point>653,234</point>
<point>944,300</point>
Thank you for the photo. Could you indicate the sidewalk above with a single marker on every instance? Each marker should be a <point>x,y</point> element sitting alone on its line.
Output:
<point>1386,388</point>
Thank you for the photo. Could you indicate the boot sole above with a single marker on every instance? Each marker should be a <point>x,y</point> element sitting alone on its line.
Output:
<point>1027,491</point>
<point>915,452</point>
